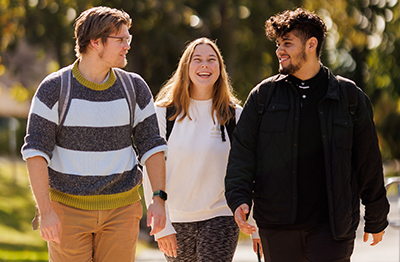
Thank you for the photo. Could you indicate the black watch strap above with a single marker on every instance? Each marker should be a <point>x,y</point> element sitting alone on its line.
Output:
<point>161,194</point>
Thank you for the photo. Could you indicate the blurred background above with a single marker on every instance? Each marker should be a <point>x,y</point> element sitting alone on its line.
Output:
<point>36,38</point>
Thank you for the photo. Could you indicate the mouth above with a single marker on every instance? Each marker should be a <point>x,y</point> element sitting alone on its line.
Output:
<point>283,59</point>
<point>204,74</point>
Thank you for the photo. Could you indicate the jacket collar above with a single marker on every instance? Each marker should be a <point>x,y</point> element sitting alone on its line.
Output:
<point>333,84</point>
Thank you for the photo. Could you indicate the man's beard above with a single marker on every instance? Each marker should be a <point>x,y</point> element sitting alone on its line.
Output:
<point>101,55</point>
<point>291,68</point>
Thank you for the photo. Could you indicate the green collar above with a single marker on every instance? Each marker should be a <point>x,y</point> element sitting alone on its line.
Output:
<point>97,87</point>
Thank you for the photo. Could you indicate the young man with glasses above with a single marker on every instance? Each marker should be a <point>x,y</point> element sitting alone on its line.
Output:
<point>81,163</point>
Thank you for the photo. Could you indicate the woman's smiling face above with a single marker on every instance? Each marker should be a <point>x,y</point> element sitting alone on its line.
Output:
<point>204,70</point>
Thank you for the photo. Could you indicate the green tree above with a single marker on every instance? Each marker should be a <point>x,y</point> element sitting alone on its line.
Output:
<point>362,41</point>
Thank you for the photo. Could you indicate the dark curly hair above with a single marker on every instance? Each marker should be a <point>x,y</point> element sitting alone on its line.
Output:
<point>304,23</point>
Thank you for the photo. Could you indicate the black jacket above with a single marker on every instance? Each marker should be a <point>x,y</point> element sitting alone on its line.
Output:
<point>263,159</point>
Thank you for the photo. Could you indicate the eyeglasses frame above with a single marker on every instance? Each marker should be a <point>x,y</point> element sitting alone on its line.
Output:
<point>122,38</point>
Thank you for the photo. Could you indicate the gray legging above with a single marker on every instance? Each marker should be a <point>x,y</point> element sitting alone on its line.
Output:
<point>204,241</point>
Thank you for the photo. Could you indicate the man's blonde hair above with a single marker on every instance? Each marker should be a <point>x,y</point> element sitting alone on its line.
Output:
<point>98,22</point>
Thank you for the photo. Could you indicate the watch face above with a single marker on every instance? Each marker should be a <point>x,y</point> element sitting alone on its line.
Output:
<point>161,194</point>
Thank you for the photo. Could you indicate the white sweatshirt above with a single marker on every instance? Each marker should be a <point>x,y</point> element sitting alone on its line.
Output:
<point>195,167</point>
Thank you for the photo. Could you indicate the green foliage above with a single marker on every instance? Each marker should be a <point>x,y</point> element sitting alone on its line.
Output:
<point>161,30</point>
<point>362,40</point>
<point>11,12</point>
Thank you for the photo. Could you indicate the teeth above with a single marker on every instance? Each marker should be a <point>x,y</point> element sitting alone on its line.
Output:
<point>204,74</point>
<point>283,59</point>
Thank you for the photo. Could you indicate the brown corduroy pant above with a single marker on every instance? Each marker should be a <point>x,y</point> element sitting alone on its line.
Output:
<point>96,235</point>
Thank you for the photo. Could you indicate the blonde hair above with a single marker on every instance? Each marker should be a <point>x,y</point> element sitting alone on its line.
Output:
<point>176,91</point>
<point>98,22</point>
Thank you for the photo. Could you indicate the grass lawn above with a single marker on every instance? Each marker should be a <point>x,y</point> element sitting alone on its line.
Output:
<point>18,242</point>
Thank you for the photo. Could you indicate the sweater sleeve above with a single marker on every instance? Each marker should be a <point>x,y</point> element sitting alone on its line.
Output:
<point>162,121</point>
<point>145,132</point>
<point>42,120</point>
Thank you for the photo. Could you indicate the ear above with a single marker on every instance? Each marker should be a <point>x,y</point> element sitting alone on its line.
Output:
<point>312,44</point>
<point>95,43</point>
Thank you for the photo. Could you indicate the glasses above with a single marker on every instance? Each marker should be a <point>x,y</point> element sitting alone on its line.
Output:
<point>123,39</point>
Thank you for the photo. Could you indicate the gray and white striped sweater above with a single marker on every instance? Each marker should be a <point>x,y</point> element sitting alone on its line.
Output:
<point>92,164</point>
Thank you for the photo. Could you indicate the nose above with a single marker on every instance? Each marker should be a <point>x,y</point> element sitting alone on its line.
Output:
<point>279,50</point>
<point>127,45</point>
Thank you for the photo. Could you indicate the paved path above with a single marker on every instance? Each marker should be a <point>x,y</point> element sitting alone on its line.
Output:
<point>386,251</point>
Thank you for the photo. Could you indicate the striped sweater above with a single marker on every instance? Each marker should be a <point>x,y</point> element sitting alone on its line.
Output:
<point>91,162</point>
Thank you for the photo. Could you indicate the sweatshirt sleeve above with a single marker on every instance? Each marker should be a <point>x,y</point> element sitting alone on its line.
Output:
<point>145,133</point>
<point>238,112</point>
<point>169,229</point>
<point>252,222</point>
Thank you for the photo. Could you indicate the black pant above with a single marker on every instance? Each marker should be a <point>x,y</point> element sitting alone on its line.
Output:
<point>311,245</point>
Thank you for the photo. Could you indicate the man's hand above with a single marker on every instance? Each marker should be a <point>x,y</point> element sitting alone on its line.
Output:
<point>50,226</point>
<point>376,238</point>
<point>168,245</point>
<point>257,244</point>
<point>39,179</point>
<point>240,218</point>
<point>156,215</point>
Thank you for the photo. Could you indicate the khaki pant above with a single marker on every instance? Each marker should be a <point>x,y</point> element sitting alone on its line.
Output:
<point>96,235</point>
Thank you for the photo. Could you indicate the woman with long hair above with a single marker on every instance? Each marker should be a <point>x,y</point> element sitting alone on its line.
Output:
<point>198,102</point>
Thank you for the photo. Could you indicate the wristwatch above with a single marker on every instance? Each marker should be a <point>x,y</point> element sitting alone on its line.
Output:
<point>161,194</point>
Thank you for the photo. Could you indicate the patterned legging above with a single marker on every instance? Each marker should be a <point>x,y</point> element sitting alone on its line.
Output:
<point>204,241</point>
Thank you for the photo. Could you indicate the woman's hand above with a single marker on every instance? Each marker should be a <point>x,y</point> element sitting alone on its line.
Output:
<point>168,245</point>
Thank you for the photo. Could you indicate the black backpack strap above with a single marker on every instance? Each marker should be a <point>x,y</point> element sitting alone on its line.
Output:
<point>264,94</point>
<point>350,94</point>
<point>170,123</point>
<point>222,129</point>
<point>230,125</point>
